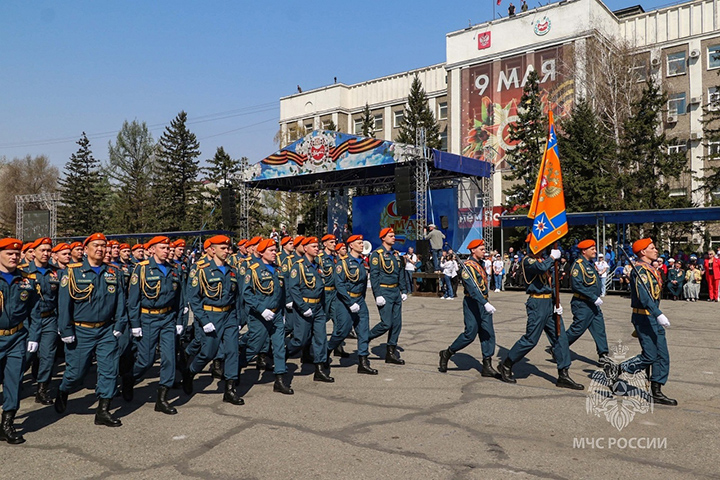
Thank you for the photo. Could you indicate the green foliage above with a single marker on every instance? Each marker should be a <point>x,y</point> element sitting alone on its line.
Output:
<point>418,115</point>
<point>710,175</point>
<point>331,127</point>
<point>368,122</point>
<point>222,170</point>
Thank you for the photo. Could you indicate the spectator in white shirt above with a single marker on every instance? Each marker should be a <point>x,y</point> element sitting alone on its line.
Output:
<point>450,268</point>
<point>410,261</point>
<point>602,267</point>
<point>498,271</point>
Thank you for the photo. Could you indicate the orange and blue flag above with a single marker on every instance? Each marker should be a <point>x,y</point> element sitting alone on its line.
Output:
<point>547,208</point>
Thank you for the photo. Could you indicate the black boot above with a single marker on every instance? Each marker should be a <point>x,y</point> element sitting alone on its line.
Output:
<point>364,366</point>
<point>658,396</point>
<point>103,416</point>
<point>320,375</point>
<point>564,381</point>
<point>217,368</point>
<point>187,381</point>
<point>340,352</point>
<point>391,356</point>
<point>7,429</point>
<point>231,395</point>
<point>444,358</point>
<point>281,386</point>
<point>61,401</point>
<point>161,404</point>
<point>506,371</point>
<point>261,362</point>
<point>128,386</point>
<point>488,370</point>
<point>306,357</point>
<point>43,394</point>
<point>551,351</point>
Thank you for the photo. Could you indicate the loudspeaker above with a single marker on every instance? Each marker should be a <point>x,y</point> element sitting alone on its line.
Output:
<point>444,224</point>
<point>405,203</point>
<point>229,213</point>
<point>422,248</point>
<point>301,229</point>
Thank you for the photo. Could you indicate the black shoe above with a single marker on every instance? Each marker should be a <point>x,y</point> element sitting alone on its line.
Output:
<point>391,356</point>
<point>321,376</point>
<point>659,397</point>
<point>364,366</point>
<point>103,416</point>
<point>604,359</point>
<point>128,385</point>
<point>7,429</point>
<point>340,352</point>
<point>306,357</point>
<point>281,386</point>
<point>261,362</point>
<point>187,381</point>
<point>43,394</point>
<point>230,395</point>
<point>506,371</point>
<point>161,404</point>
<point>61,401</point>
<point>217,368</point>
<point>487,369</point>
<point>444,358</point>
<point>550,351</point>
<point>564,381</point>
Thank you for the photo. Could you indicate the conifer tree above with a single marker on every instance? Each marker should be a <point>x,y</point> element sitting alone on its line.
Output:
<point>709,177</point>
<point>418,115</point>
<point>368,122</point>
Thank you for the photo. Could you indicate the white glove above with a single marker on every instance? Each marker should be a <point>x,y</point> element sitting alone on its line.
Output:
<point>268,314</point>
<point>354,308</point>
<point>663,320</point>
<point>208,328</point>
<point>69,339</point>
<point>380,301</point>
<point>32,347</point>
<point>555,254</point>
<point>185,310</point>
<point>136,332</point>
<point>307,313</point>
<point>489,308</point>
<point>558,310</point>
<point>117,334</point>
<point>288,305</point>
<point>179,329</point>
<point>404,297</point>
<point>599,301</point>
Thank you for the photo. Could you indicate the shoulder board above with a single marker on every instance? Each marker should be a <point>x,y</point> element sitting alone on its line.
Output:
<point>23,265</point>
<point>254,266</point>
<point>300,260</point>
<point>31,276</point>
<point>579,260</point>
<point>75,265</point>
<point>379,250</point>
<point>204,265</point>
<point>144,262</point>
<point>200,263</point>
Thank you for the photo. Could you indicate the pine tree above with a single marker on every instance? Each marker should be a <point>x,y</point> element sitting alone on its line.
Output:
<point>530,131</point>
<point>176,185</point>
<point>418,115</point>
<point>368,122</point>
<point>222,171</point>
<point>84,193</point>
<point>331,127</point>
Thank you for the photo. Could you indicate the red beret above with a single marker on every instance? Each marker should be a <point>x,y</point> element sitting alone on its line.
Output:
<point>339,246</point>
<point>10,244</point>
<point>93,237</point>
<point>253,241</point>
<point>585,244</point>
<point>172,244</point>
<point>60,247</point>
<point>157,240</point>
<point>112,243</point>
<point>327,237</point>
<point>124,246</point>
<point>206,244</point>
<point>309,240</point>
<point>298,240</point>
<point>385,231</point>
<point>75,245</point>
<point>137,245</point>
<point>42,241</point>
<point>180,243</point>
<point>285,241</point>
<point>641,245</point>
<point>265,244</point>
<point>528,238</point>
<point>476,243</point>
<point>27,246</point>
<point>219,240</point>
<point>354,238</point>
<point>241,242</point>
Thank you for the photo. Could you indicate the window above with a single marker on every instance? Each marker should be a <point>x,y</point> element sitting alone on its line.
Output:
<point>326,124</point>
<point>378,122</point>
<point>713,56</point>
<point>713,98</point>
<point>442,111</point>
<point>713,148</point>
<point>444,141</point>
<point>398,118</point>
<point>677,104</point>
<point>358,126</point>
<point>308,128</point>
<point>677,148</point>
<point>639,70</point>
<point>676,64</point>
<point>678,192</point>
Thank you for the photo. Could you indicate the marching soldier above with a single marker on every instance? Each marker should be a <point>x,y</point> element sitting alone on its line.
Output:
<point>285,261</point>
<point>327,260</point>
<point>263,298</point>
<point>386,279</point>
<point>585,304</point>
<point>28,255</point>
<point>17,300</point>
<point>649,322</point>
<point>262,352</point>
<point>138,253</point>
<point>62,255</point>
<point>155,302</point>
<point>215,301</point>
<point>307,292</point>
<point>114,252</point>
<point>351,308</point>
<point>76,252</point>
<point>477,312</point>
<point>539,306</point>
<point>91,315</point>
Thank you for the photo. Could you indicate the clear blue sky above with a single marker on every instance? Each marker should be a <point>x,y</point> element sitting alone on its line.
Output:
<point>73,66</point>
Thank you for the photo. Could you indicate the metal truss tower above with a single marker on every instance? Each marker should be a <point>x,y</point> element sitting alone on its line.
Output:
<point>47,200</point>
<point>243,199</point>
<point>421,183</point>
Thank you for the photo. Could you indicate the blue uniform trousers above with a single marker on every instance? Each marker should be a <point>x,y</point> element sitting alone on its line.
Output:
<point>587,316</point>
<point>46,349</point>
<point>390,316</point>
<point>79,354</point>
<point>540,318</point>
<point>346,320</point>
<point>224,339</point>
<point>156,329</point>
<point>307,329</point>
<point>12,355</point>
<point>262,333</point>
<point>654,349</point>
<point>290,319</point>
<point>478,323</point>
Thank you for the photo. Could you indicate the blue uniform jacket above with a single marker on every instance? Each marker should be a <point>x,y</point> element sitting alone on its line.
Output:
<point>209,286</point>
<point>585,279</point>
<point>305,282</point>
<point>150,288</point>
<point>48,284</point>
<point>536,275</point>
<point>646,297</point>
<point>474,279</point>
<point>385,269</point>
<point>262,289</point>
<point>350,280</point>
<point>18,300</point>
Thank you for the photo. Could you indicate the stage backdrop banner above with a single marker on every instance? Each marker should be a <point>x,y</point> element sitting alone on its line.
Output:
<point>371,213</point>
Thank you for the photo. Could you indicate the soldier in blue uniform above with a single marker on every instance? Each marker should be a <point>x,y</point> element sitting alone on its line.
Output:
<point>138,253</point>
<point>18,298</point>
<point>540,308</point>
<point>477,312</point>
<point>585,304</point>
<point>351,308</point>
<point>327,259</point>
<point>43,333</point>
<point>61,253</point>
<point>307,291</point>
<point>91,315</point>
<point>285,261</point>
<point>389,289</point>
<point>263,298</point>
<point>155,299</point>
<point>215,301</point>
<point>262,361</point>
<point>127,345</point>
<point>649,322</point>
<point>76,252</point>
